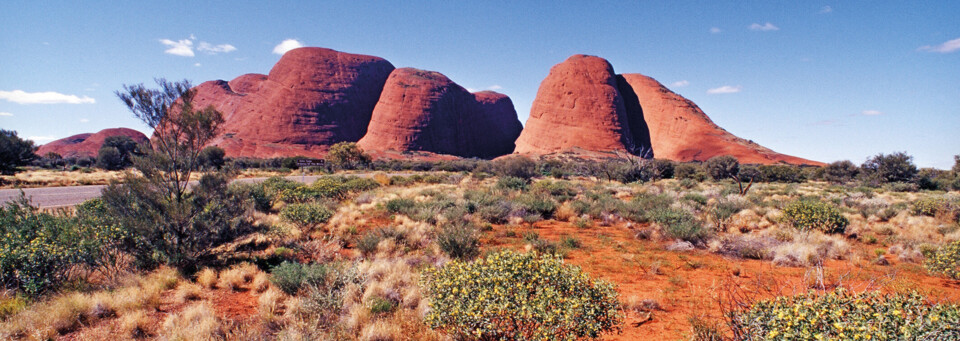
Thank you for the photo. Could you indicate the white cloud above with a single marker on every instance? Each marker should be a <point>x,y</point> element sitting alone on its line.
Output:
<point>84,120</point>
<point>826,9</point>
<point>678,84</point>
<point>765,27</point>
<point>183,47</point>
<point>287,45</point>
<point>5,114</point>
<point>471,90</point>
<point>715,30</point>
<point>495,87</point>
<point>726,89</point>
<point>197,64</point>
<point>214,49</point>
<point>41,138</point>
<point>48,97</point>
<point>872,112</point>
<point>946,47</point>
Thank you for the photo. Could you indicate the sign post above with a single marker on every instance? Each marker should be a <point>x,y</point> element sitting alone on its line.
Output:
<point>303,163</point>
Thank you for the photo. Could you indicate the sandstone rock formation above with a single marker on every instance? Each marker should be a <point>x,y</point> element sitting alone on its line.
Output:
<point>680,131</point>
<point>311,99</point>
<point>579,106</point>
<point>87,145</point>
<point>426,111</point>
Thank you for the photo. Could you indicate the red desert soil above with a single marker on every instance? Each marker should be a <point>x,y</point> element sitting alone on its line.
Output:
<point>690,283</point>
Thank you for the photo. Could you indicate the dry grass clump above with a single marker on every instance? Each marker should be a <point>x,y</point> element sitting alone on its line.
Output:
<point>136,325</point>
<point>196,322</point>
<point>269,304</point>
<point>261,281</point>
<point>207,278</point>
<point>237,276</point>
<point>810,248</point>
<point>188,291</point>
<point>381,330</point>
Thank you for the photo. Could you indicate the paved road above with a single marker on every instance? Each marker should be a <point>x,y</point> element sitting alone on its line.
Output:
<point>52,197</point>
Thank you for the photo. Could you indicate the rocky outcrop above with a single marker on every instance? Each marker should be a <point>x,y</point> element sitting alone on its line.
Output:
<point>579,106</point>
<point>310,100</point>
<point>680,131</point>
<point>88,144</point>
<point>427,112</point>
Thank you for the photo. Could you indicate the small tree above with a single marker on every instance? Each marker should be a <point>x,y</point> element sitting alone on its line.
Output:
<point>896,167</point>
<point>956,164</point>
<point>14,151</point>
<point>722,167</point>
<point>110,158</point>
<point>840,171</point>
<point>347,155</point>
<point>212,157</point>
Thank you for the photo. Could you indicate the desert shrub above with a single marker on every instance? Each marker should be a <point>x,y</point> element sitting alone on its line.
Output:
<point>559,190</point>
<point>680,224</point>
<point>380,305</point>
<point>37,249</point>
<point>895,167</point>
<point>816,215</point>
<point>261,198</point>
<point>781,173</point>
<point>515,296</point>
<point>840,171</point>
<point>211,157</point>
<point>689,171</point>
<point>724,209</point>
<point>290,276</point>
<point>511,182</point>
<point>929,206</point>
<point>843,315</point>
<point>369,241</point>
<point>722,167</point>
<point>537,204</point>
<point>109,158</point>
<point>656,169</point>
<point>307,214</point>
<point>459,241</point>
<point>400,205</point>
<point>358,184</point>
<point>347,155</point>
<point>325,299</point>
<point>945,261</point>
<point>515,166</point>
<point>641,208</point>
<point>696,198</point>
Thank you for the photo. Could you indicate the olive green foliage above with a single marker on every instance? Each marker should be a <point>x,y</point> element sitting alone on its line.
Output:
<point>930,206</point>
<point>512,182</point>
<point>347,155</point>
<point>109,159</point>
<point>945,261</point>
<point>840,171</point>
<point>369,241</point>
<point>657,169</point>
<point>520,296</point>
<point>956,164</point>
<point>117,152</point>
<point>14,151</point>
<point>211,157</point>
<point>815,215</point>
<point>680,224</point>
<point>290,276</point>
<point>722,167</point>
<point>691,171</point>
<point>400,205</point>
<point>724,209</point>
<point>845,315</point>
<point>560,190</point>
<point>537,204</point>
<point>515,166</point>
<point>781,173</point>
<point>37,249</point>
<point>459,240</point>
<point>306,214</point>
<point>895,167</point>
<point>327,187</point>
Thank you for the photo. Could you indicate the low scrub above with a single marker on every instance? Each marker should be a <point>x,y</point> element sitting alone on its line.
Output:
<point>844,315</point>
<point>306,214</point>
<point>517,296</point>
<point>815,215</point>
<point>290,277</point>
<point>945,261</point>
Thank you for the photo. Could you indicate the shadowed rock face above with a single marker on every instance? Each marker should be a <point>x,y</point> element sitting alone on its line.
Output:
<point>579,105</point>
<point>87,145</point>
<point>680,131</point>
<point>426,111</point>
<point>311,99</point>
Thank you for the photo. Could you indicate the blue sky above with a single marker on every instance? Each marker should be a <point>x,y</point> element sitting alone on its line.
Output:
<point>828,80</point>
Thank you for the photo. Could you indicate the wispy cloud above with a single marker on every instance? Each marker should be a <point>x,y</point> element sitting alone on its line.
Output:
<point>765,27</point>
<point>826,9</point>
<point>726,89</point>
<point>84,120</point>
<point>214,49</point>
<point>715,30</point>
<point>5,114</point>
<point>41,138</point>
<point>494,87</point>
<point>197,64</point>
<point>183,47</point>
<point>872,112</point>
<point>825,123</point>
<point>287,45</point>
<point>680,83</point>
<point>946,47</point>
<point>48,97</point>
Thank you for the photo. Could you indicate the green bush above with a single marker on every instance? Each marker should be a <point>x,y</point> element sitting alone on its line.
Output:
<point>369,241</point>
<point>512,182</point>
<point>14,151</point>
<point>537,204</point>
<point>808,214</point>
<point>400,205</point>
<point>37,249</point>
<point>689,171</point>
<point>380,305</point>
<point>559,190</point>
<point>680,224</point>
<point>840,171</point>
<point>945,261</point>
<point>290,276</point>
<point>895,167</point>
<point>459,241</point>
<point>307,214</point>
<point>842,315</point>
<point>722,167</point>
<point>514,296</point>
<point>515,166</point>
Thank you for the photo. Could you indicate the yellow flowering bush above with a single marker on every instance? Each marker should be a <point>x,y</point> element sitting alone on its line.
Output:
<point>520,296</point>
<point>945,261</point>
<point>818,215</point>
<point>844,315</point>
